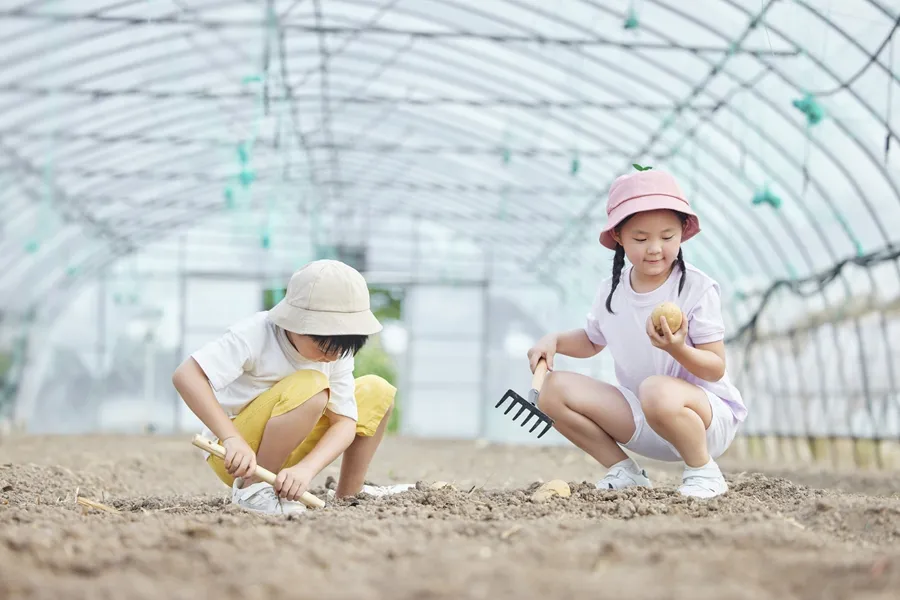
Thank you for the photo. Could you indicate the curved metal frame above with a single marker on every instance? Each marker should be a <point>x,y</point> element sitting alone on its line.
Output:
<point>124,236</point>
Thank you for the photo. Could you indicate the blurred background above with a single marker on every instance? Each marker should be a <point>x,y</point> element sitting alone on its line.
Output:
<point>167,164</point>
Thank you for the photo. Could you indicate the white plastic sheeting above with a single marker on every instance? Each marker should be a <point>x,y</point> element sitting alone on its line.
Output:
<point>462,141</point>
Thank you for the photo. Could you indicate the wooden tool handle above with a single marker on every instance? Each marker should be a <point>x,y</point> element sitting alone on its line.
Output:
<point>540,371</point>
<point>263,473</point>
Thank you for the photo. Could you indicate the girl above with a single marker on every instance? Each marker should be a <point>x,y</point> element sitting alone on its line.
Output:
<point>674,400</point>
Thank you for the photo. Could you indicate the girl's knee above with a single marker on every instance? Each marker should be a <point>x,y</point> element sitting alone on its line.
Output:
<point>657,399</point>
<point>551,397</point>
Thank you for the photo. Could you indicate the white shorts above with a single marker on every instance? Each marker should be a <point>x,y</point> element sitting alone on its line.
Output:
<point>648,443</point>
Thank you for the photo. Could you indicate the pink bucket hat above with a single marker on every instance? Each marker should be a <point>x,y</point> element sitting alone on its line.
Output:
<point>642,191</point>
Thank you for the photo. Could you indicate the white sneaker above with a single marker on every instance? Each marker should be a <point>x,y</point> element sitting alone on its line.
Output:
<point>381,490</point>
<point>387,490</point>
<point>703,482</point>
<point>261,498</point>
<point>623,475</point>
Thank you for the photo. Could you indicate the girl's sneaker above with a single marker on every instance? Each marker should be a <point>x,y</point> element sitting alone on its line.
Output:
<point>624,475</point>
<point>261,498</point>
<point>703,482</point>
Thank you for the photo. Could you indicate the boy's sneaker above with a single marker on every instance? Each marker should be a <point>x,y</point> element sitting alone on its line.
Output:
<point>624,475</point>
<point>380,490</point>
<point>261,498</point>
<point>703,482</point>
<point>387,490</point>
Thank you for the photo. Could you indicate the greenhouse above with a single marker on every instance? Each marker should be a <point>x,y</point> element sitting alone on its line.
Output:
<point>168,164</point>
<point>449,299</point>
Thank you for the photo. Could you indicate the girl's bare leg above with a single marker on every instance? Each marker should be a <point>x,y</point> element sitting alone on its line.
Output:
<point>680,413</point>
<point>591,414</point>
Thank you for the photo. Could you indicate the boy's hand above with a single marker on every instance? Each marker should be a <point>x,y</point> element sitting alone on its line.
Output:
<point>546,347</point>
<point>240,460</point>
<point>668,341</point>
<point>293,481</point>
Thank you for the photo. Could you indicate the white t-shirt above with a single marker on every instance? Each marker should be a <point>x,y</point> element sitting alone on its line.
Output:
<point>624,333</point>
<point>255,354</point>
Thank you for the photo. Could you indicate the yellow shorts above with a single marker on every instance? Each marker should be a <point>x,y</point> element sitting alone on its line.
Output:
<point>374,397</point>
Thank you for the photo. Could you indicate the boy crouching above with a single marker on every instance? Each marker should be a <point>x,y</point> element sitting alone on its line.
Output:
<point>277,389</point>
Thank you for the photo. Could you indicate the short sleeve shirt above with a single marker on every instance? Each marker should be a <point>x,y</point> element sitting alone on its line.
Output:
<point>624,333</point>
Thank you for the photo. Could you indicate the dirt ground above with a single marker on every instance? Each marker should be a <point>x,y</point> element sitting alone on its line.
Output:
<point>790,533</point>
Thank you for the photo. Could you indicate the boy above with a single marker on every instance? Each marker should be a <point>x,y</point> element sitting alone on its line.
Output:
<point>278,390</point>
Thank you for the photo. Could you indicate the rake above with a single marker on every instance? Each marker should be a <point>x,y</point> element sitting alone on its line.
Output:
<point>530,405</point>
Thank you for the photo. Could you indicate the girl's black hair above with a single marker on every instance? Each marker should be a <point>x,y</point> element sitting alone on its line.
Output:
<point>619,263</point>
<point>342,345</point>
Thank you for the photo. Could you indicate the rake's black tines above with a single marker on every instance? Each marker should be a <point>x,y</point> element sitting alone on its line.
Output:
<point>525,405</point>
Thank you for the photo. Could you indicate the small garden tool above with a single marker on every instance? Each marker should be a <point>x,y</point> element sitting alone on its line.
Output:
<point>263,473</point>
<point>530,405</point>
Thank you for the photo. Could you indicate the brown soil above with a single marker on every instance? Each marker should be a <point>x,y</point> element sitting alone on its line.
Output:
<point>176,536</point>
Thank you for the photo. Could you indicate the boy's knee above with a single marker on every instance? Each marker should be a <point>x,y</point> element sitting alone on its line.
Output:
<point>306,387</point>
<point>302,381</point>
<point>318,401</point>
<point>376,386</point>
<point>387,413</point>
<point>375,399</point>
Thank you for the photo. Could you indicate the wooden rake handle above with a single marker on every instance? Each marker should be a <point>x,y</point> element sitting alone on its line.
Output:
<point>540,372</point>
<point>263,473</point>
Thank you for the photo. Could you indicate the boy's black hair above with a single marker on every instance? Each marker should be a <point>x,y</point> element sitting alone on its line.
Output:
<point>342,345</point>
<point>619,263</point>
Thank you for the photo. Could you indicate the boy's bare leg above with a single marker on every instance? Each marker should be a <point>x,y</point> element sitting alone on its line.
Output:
<point>285,432</point>
<point>357,457</point>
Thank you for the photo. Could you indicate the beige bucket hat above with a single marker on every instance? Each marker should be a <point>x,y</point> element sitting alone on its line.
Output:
<point>326,297</point>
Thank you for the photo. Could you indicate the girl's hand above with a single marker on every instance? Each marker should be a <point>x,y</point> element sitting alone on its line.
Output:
<point>668,341</point>
<point>546,348</point>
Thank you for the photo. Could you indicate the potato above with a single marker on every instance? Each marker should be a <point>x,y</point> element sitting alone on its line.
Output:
<point>673,316</point>
<point>556,487</point>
